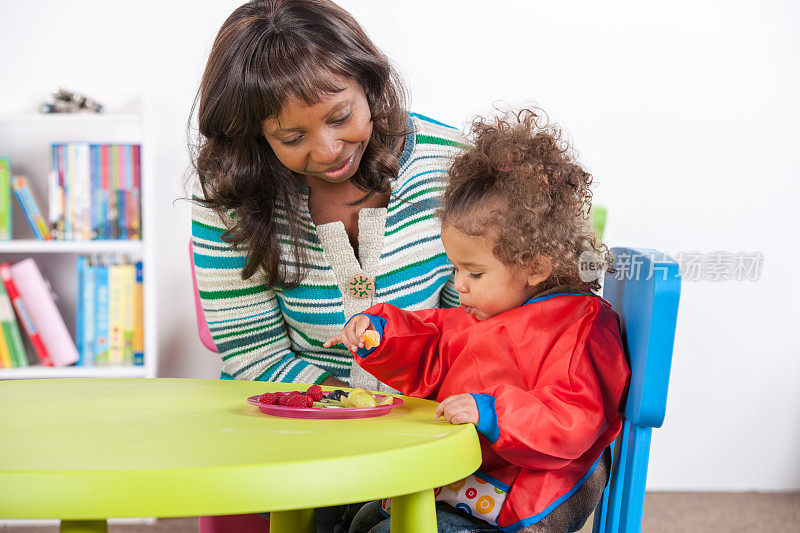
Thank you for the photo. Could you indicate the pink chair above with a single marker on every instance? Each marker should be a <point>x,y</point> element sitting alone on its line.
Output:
<point>202,325</point>
<point>245,523</point>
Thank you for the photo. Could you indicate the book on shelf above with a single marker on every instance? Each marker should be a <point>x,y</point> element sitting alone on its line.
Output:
<point>115,312</point>
<point>24,315</point>
<point>5,354</point>
<point>54,346</point>
<point>138,317</point>
<point>95,191</point>
<point>85,327</point>
<point>11,333</point>
<point>6,209</point>
<point>30,207</point>
<point>109,317</point>
<point>101,314</point>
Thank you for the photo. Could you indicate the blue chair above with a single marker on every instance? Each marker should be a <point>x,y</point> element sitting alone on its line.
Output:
<point>644,292</point>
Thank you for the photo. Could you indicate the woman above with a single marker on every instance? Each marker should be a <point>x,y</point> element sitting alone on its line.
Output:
<point>316,192</point>
<point>315,197</point>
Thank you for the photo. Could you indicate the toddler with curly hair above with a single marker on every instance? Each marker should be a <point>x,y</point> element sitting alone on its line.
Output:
<point>532,357</point>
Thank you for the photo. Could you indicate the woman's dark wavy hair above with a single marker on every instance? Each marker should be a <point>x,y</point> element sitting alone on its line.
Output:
<point>266,53</point>
<point>521,185</point>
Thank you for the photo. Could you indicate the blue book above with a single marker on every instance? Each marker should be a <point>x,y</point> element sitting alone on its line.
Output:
<point>30,207</point>
<point>80,267</point>
<point>128,167</point>
<point>101,315</point>
<point>94,187</point>
<point>122,220</point>
<point>87,295</point>
<point>138,309</point>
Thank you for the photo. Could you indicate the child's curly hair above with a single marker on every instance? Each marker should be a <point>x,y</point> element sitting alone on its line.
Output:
<point>521,182</point>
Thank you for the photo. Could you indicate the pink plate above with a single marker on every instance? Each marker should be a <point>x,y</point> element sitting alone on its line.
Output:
<point>318,412</point>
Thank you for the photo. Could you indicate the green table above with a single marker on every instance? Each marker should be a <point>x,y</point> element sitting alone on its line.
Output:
<point>84,450</point>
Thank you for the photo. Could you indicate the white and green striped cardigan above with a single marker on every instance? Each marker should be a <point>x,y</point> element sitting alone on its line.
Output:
<point>274,334</point>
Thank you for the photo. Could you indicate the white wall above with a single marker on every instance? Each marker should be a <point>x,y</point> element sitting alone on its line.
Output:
<point>686,115</point>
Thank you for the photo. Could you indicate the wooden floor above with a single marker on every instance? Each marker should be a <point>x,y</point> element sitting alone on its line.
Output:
<point>664,512</point>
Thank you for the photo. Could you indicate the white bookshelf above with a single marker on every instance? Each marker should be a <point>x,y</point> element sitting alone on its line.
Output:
<point>25,137</point>
<point>32,246</point>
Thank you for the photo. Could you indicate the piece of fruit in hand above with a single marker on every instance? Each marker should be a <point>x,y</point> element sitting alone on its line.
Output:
<point>371,339</point>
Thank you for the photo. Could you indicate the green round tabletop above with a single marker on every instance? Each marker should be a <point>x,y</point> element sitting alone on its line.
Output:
<point>88,449</point>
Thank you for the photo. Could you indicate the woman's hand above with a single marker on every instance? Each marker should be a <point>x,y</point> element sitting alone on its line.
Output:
<point>352,336</point>
<point>458,409</point>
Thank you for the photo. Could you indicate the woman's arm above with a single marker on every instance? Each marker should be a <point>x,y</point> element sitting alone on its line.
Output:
<point>243,316</point>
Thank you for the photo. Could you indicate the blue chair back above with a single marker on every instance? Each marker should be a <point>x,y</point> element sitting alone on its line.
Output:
<point>644,292</point>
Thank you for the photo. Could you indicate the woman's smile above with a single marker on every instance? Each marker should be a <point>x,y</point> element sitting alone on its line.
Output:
<point>342,169</point>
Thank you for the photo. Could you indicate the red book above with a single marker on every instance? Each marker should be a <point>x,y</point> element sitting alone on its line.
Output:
<point>137,166</point>
<point>24,316</point>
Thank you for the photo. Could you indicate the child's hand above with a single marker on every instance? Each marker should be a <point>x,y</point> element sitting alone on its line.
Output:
<point>458,409</point>
<point>352,336</point>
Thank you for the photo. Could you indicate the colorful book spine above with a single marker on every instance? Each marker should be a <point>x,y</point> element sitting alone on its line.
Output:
<point>138,327</point>
<point>113,210</point>
<point>70,164</point>
<point>101,315</point>
<point>24,316</point>
<point>104,193</point>
<point>115,314</point>
<point>85,311</point>
<point>83,193</point>
<point>5,353</point>
<point>11,330</point>
<point>127,310</point>
<point>94,187</point>
<point>122,212</point>
<point>89,310</point>
<point>56,195</point>
<point>6,209</point>
<point>30,207</point>
<point>80,267</point>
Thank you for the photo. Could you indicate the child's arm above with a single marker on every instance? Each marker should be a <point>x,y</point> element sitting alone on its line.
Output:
<point>352,335</point>
<point>408,356</point>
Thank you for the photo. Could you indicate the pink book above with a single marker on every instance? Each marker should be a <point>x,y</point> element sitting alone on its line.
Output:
<point>35,294</point>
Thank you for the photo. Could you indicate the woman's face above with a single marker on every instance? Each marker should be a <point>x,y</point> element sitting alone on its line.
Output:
<point>325,141</point>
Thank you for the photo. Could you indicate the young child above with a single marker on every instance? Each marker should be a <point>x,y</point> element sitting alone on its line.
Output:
<point>532,357</point>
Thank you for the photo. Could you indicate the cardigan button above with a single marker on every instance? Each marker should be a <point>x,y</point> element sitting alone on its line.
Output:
<point>361,286</point>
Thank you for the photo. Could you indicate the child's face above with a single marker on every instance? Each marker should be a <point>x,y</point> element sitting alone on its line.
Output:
<point>486,286</point>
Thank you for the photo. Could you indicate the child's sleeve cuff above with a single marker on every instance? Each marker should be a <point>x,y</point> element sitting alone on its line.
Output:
<point>487,417</point>
<point>378,322</point>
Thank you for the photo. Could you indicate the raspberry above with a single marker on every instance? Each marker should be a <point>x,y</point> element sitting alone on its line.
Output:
<point>283,399</point>
<point>268,398</point>
<point>298,400</point>
<point>314,392</point>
